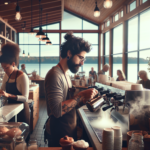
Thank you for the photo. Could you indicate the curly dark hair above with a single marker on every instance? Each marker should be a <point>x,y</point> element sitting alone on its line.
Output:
<point>74,44</point>
<point>10,53</point>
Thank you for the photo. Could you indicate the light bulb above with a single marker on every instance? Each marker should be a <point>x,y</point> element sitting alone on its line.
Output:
<point>31,33</point>
<point>108,4</point>
<point>18,16</point>
<point>6,3</point>
<point>96,13</point>
<point>23,55</point>
<point>28,56</point>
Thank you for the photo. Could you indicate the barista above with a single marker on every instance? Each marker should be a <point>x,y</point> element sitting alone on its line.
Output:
<point>61,104</point>
<point>15,85</point>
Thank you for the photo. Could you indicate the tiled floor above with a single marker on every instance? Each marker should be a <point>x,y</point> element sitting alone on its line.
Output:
<point>38,132</point>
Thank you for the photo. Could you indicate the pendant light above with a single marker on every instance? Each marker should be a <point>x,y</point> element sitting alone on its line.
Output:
<point>46,39</point>
<point>108,3</point>
<point>48,43</point>
<point>96,11</point>
<point>28,48</point>
<point>23,28</point>
<point>40,34</point>
<point>31,31</point>
<point>18,15</point>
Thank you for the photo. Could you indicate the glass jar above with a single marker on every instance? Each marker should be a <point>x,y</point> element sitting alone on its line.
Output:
<point>19,143</point>
<point>136,141</point>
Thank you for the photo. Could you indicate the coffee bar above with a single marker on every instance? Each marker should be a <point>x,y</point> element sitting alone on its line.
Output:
<point>74,75</point>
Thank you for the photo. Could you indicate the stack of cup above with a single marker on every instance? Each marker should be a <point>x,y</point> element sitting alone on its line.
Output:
<point>108,139</point>
<point>117,138</point>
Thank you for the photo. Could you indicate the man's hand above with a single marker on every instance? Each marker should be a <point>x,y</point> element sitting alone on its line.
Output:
<point>88,94</point>
<point>4,93</point>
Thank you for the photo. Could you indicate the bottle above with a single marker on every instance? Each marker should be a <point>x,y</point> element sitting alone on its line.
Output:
<point>19,143</point>
<point>136,142</point>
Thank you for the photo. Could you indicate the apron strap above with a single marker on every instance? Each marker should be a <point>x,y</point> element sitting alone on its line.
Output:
<point>64,75</point>
<point>10,76</point>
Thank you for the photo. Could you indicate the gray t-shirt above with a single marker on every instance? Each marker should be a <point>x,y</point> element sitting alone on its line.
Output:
<point>56,89</point>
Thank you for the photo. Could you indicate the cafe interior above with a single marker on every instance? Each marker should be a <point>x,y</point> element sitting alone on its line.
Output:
<point>119,34</point>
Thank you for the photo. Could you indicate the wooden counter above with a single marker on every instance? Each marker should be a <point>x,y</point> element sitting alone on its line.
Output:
<point>9,111</point>
<point>34,95</point>
<point>41,86</point>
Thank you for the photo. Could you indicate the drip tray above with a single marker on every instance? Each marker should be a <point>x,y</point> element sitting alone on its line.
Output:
<point>97,131</point>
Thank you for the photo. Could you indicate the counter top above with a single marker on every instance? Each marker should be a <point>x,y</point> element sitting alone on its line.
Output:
<point>10,110</point>
<point>85,115</point>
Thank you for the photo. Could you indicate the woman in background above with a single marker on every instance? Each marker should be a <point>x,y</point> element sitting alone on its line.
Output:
<point>15,84</point>
<point>121,76</point>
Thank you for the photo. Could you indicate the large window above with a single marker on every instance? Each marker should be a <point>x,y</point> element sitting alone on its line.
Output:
<point>44,57</point>
<point>132,67</point>
<point>107,43</point>
<point>133,34</point>
<point>132,5</point>
<point>118,39</point>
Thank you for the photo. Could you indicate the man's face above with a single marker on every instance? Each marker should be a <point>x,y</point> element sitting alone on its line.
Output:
<point>92,69</point>
<point>141,76</point>
<point>76,61</point>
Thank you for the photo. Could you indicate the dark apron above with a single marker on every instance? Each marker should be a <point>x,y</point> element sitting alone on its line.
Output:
<point>65,125</point>
<point>11,88</point>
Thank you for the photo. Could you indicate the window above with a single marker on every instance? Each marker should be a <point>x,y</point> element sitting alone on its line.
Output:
<point>101,48</point>
<point>49,58</point>
<point>144,29</point>
<point>106,62</point>
<point>118,39</point>
<point>116,17</point>
<point>54,38</point>
<point>89,26</point>
<point>132,5</point>
<point>32,63</point>
<point>70,21</point>
<point>117,64</point>
<point>144,1</point>
<point>106,43</point>
<point>91,37</point>
<point>121,13</point>
<point>51,27</point>
<point>108,23</point>
<point>132,67</point>
<point>143,61</point>
<point>133,34</point>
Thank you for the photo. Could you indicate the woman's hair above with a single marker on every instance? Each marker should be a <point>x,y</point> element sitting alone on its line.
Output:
<point>122,74</point>
<point>74,44</point>
<point>143,72</point>
<point>10,53</point>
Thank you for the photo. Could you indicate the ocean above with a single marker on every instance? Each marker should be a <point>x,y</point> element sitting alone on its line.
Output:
<point>132,69</point>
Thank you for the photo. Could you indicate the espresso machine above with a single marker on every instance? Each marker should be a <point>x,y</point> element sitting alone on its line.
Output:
<point>128,109</point>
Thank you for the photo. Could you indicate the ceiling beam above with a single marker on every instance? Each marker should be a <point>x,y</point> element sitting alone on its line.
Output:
<point>35,20</point>
<point>27,10</point>
<point>28,27</point>
<point>25,4</point>
<point>10,2</point>
<point>34,14</point>
<point>36,23</point>
<point>36,17</point>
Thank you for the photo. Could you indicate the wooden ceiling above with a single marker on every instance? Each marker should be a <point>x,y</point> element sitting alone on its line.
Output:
<point>54,8</point>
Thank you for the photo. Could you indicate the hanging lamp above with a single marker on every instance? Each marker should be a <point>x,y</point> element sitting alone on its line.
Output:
<point>49,43</point>
<point>23,28</point>
<point>40,34</point>
<point>108,3</point>
<point>96,11</point>
<point>18,15</point>
<point>28,48</point>
<point>31,31</point>
<point>46,39</point>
